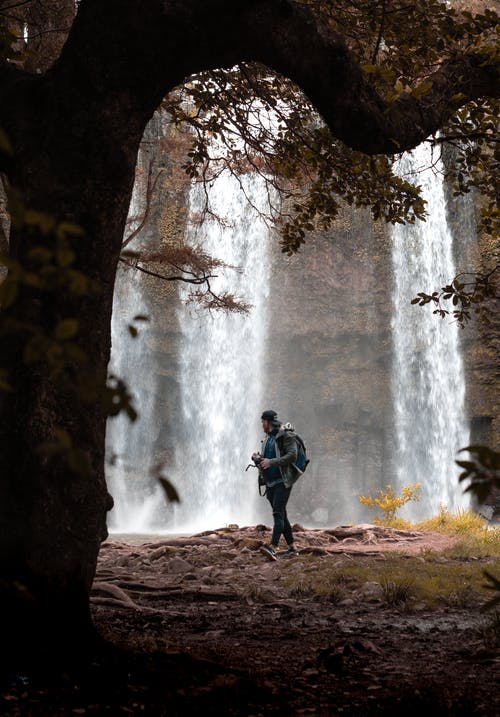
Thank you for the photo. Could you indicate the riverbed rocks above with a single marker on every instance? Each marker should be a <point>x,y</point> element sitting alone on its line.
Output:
<point>228,564</point>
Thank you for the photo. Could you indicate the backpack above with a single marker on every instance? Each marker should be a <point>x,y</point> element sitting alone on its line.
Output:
<point>302,460</point>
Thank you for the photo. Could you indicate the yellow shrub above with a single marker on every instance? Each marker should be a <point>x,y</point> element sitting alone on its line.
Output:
<point>388,502</point>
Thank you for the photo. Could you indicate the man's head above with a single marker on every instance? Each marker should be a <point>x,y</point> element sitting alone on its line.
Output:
<point>269,421</point>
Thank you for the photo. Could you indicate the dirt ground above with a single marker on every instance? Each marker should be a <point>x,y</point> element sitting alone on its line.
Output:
<point>208,625</point>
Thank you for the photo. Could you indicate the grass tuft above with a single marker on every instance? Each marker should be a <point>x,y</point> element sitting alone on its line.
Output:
<point>397,593</point>
<point>476,536</point>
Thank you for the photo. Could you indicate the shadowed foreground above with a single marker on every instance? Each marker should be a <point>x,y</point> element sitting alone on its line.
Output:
<point>365,621</point>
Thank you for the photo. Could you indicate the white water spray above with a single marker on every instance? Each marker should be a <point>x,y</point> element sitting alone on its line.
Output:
<point>428,376</point>
<point>221,360</point>
<point>137,496</point>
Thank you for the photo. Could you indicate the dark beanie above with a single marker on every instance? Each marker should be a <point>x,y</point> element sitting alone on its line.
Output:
<point>269,416</point>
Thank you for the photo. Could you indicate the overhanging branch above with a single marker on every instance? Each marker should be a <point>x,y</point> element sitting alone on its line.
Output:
<point>158,45</point>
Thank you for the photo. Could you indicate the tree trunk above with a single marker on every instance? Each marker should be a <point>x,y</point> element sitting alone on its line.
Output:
<point>52,517</point>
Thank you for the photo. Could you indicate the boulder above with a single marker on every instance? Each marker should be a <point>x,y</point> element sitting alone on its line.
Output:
<point>178,565</point>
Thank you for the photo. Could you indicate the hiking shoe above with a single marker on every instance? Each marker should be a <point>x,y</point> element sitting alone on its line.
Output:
<point>268,551</point>
<point>290,552</point>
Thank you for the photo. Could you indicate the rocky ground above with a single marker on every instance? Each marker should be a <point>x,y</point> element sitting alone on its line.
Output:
<point>365,621</point>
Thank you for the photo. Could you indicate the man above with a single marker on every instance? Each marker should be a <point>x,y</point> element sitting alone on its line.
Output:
<point>279,453</point>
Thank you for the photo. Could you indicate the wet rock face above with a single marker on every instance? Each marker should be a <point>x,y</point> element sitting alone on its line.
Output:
<point>330,361</point>
<point>480,342</point>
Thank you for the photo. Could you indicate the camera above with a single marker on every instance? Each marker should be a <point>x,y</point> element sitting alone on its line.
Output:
<point>256,458</point>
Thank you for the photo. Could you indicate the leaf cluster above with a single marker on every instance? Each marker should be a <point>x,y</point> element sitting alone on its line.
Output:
<point>470,293</point>
<point>248,119</point>
<point>47,274</point>
<point>482,469</point>
<point>62,446</point>
<point>9,42</point>
<point>48,268</point>
<point>473,133</point>
<point>168,488</point>
<point>389,502</point>
<point>191,265</point>
<point>492,583</point>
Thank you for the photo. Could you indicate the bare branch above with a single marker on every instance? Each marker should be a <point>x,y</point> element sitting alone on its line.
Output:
<point>150,187</point>
<point>164,277</point>
<point>15,5</point>
<point>380,33</point>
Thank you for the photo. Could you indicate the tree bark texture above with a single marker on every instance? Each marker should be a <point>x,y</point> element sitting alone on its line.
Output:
<point>75,131</point>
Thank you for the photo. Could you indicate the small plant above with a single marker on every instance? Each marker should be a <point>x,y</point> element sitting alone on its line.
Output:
<point>462,597</point>
<point>253,593</point>
<point>397,592</point>
<point>388,502</point>
<point>336,593</point>
<point>302,589</point>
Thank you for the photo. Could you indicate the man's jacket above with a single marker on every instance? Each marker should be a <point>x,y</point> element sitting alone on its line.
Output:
<point>286,455</point>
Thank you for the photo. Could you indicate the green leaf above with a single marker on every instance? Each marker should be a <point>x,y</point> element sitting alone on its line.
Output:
<point>466,464</point>
<point>421,90</point>
<point>54,354</point>
<point>65,228</point>
<point>171,493</point>
<point>5,145</point>
<point>75,353</point>
<point>131,412</point>
<point>66,329</point>
<point>40,254</point>
<point>65,256</point>
<point>78,282</point>
<point>45,222</point>
<point>4,383</point>
<point>63,437</point>
<point>31,279</point>
<point>8,293</point>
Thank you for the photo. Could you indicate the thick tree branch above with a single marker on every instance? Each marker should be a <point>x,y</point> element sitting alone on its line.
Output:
<point>179,39</point>
<point>123,56</point>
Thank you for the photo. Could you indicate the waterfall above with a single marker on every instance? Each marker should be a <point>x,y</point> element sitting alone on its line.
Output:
<point>221,360</point>
<point>129,445</point>
<point>138,499</point>
<point>428,376</point>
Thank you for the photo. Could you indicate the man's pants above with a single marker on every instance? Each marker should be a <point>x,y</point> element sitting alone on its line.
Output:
<point>278,496</point>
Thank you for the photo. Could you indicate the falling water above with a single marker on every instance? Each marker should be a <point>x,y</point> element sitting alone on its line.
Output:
<point>221,360</point>
<point>428,374</point>
<point>129,446</point>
